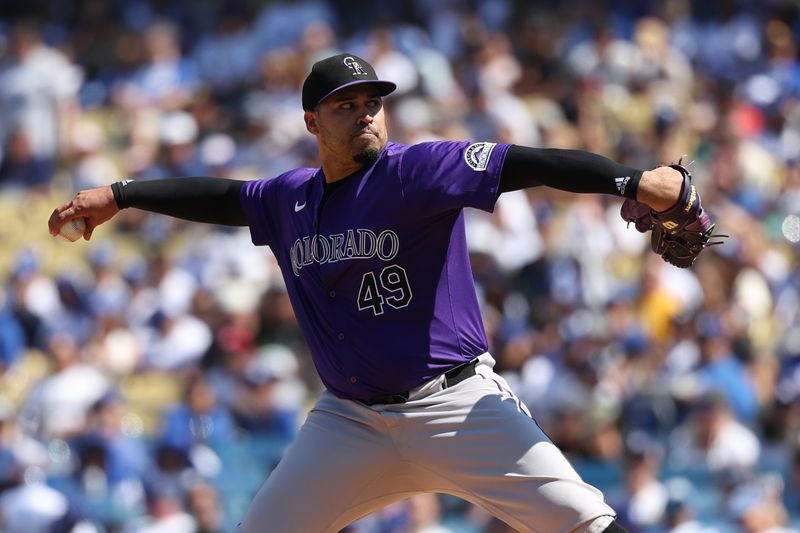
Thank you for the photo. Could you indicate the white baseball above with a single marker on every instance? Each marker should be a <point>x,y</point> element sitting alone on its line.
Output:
<point>73,230</point>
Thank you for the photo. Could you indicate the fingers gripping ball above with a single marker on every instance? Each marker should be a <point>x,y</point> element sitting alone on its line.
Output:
<point>72,230</point>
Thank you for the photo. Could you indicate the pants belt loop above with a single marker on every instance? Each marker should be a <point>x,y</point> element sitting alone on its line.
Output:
<point>460,373</point>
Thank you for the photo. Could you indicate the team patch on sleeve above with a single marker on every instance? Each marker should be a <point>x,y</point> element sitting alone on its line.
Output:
<point>477,155</point>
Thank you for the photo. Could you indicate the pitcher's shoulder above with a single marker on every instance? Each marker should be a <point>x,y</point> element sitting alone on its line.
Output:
<point>290,179</point>
<point>394,150</point>
<point>296,177</point>
<point>285,183</point>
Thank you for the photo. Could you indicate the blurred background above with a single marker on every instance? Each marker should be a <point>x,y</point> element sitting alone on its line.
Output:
<point>150,378</point>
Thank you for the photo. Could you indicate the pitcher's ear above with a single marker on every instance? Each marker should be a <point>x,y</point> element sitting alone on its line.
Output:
<point>311,122</point>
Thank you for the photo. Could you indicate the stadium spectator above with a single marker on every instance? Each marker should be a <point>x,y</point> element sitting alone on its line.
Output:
<point>58,406</point>
<point>38,89</point>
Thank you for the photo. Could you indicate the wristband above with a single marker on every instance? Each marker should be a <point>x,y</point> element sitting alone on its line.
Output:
<point>118,188</point>
<point>629,185</point>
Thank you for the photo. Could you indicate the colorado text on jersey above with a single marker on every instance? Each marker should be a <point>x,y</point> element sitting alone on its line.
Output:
<point>355,244</point>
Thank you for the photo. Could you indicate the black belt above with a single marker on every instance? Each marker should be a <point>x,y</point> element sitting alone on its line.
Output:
<point>451,378</point>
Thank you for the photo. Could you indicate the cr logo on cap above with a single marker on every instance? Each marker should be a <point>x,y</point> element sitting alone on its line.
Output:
<point>355,66</point>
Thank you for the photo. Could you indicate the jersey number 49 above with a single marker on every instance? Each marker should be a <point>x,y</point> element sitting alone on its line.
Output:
<point>389,288</point>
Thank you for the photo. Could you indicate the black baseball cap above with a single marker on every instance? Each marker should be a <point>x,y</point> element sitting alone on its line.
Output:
<point>337,72</point>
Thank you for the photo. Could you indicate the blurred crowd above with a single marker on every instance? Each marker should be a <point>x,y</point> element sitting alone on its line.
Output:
<point>150,378</point>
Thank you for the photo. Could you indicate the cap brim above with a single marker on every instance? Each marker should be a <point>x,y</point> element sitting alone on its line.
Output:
<point>385,87</point>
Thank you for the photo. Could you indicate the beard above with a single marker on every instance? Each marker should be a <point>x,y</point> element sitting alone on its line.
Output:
<point>367,156</point>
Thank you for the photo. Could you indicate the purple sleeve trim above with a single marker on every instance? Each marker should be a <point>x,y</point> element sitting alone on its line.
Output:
<point>254,202</point>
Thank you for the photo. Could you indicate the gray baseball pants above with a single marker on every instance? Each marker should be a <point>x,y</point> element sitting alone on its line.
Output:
<point>474,440</point>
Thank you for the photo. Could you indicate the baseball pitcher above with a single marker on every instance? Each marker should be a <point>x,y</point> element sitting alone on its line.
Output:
<point>373,252</point>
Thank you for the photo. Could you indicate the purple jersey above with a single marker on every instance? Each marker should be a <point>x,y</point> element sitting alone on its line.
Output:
<point>379,276</point>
